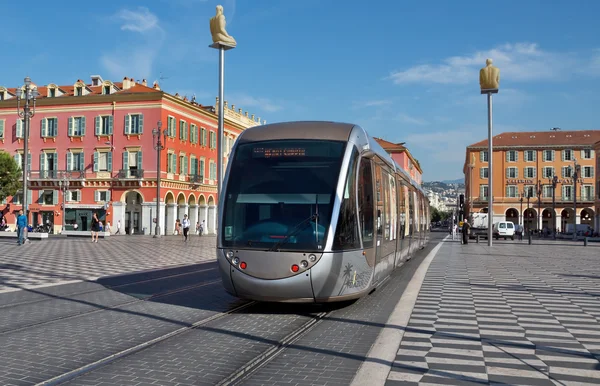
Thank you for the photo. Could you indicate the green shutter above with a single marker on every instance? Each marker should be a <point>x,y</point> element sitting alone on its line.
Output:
<point>96,195</point>
<point>29,162</point>
<point>110,125</point>
<point>55,128</point>
<point>202,168</point>
<point>507,156</point>
<point>109,161</point>
<point>69,161</point>
<point>55,197</point>
<point>1,128</point>
<point>185,165</point>
<point>95,161</point>
<point>70,126</point>
<point>193,166</point>
<point>19,128</point>
<point>44,127</point>
<point>139,160</point>
<point>42,163</point>
<point>82,126</point>
<point>29,200</point>
<point>81,161</point>
<point>98,125</point>
<point>127,123</point>
<point>55,162</point>
<point>40,197</point>
<point>141,123</point>
<point>108,197</point>
<point>173,163</point>
<point>125,160</point>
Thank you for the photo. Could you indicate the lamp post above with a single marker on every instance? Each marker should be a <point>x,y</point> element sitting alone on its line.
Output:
<point>575,177</point>
<point>521,201</point>
<point>158,146</point>
<point>554,182</point>
<point>64,187</point>
<point>222,41</point>
<point>28,95</point>
<point>489,82</point>
<point>539,213</point>
<point>528,198</point>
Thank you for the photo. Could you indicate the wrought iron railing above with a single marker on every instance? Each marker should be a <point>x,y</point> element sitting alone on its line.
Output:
<point>130,173</point>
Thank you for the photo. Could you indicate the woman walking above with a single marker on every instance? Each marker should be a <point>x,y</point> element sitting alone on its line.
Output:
<point>95,227</point>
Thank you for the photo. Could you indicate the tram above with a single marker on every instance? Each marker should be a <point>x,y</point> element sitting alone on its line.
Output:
<point>315,212</point>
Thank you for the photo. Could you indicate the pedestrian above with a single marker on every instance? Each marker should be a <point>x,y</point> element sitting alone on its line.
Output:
<point>95,228</point>
<point>466,229</point>
<point>108,227</point>
<point>118,227</point>
<point>21,227</point>
<point>186,227</point>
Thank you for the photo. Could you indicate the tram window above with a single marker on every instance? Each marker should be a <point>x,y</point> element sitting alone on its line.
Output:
<point>365,202</point>
<point>386,206</point>
<point>346,232</point>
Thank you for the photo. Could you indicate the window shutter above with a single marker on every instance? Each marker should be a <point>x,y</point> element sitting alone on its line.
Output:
<point>81,161</point>
<point>563,155</point>
<point>29,162</point>
<point>127,123</point>
<point>139,160</point>
<point>55,197</point>
<point>82,126</point>
<point>516,172</point>
<point>516,156</point>
<point>582,154</point>
<point>125,160</point>
<point>507,172</point>
<point>98,120</point>
<point>108,197</point>
<point>507,156</point>
<point>44,127</point>
<point>180,130</point>
<point>109,161</point>
<point>96,195</point>
<point>19,128</point>
<point>1,128</point>
<point>174,160</point>
<point>186,169</point>
<point>69,161</point>
<point>200,170</point>
<point>534,155</point>
<point>110,125</point>
<point>193,166</point>
<point>141,121</point>
<point>534,172</point>
<point>17,158</point>
<point>95,169</point>
<point>42,161</point>
<point>55,162</point>
<point>70,126</point>
<point>40,197</point>
<point>29,200</point>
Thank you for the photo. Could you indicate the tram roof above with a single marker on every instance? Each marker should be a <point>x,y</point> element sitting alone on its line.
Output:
<point>332,131</point>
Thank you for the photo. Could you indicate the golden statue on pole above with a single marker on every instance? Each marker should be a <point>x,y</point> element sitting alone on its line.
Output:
<point>489,76</point>
<point>217,29</point>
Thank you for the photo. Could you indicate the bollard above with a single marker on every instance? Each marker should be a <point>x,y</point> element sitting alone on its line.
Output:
<point>529,239</point>
<point>585,241</point>
<point>477,238</point>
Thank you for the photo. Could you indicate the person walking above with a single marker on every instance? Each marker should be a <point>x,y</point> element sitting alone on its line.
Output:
<point>466,229</point>
<point>118,227</point>
<point>21,227</point>
<point>95,228</point>
<point>186,227</point>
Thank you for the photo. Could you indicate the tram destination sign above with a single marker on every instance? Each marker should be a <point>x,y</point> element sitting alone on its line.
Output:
<point>279,152</point>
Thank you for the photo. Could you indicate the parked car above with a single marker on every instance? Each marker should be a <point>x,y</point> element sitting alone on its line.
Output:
<point>504,229</point>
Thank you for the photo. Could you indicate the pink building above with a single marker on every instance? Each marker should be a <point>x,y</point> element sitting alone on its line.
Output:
<point>402,156</point>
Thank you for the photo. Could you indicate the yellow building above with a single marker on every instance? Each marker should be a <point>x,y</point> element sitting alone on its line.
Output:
<point>525,164</point>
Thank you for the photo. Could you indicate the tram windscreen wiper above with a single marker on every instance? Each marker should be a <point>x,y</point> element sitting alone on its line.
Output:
<point>295,230</point>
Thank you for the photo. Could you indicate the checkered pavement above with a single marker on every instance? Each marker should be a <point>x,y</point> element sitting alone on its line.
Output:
<point>514,314</point>
<point>61,260</point>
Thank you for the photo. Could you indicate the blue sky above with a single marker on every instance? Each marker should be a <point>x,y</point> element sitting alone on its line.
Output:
<point>406,71</point>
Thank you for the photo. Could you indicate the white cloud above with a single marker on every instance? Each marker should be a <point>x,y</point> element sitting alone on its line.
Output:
<point>243,101</point>
<point>137,58</point>
<point>517,62</point>
<point>372,103</point>
<point>411,120</point>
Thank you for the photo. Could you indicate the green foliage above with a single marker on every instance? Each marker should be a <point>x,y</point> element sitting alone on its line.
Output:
<point>437,215</point>
<point>10,176</point>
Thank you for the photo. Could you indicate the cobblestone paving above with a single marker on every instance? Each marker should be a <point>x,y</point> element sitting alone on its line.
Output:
<point>513,314</point>
<point>60,260</point>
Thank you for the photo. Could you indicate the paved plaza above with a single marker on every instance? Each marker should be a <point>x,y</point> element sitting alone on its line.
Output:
<point>60,260</point>
<point>514,314</point>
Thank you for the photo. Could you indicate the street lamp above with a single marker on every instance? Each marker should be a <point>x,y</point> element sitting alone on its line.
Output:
<point>64,187</point>
<point>528,198</point>
<point>539,213</point>
<point>521,201</point>
<point>158,146</point>
<point>554,182</point>
<point>576,168</point>
<point>28,95</point>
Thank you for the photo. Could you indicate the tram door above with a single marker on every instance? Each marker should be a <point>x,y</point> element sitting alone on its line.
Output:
<point>380,220</point>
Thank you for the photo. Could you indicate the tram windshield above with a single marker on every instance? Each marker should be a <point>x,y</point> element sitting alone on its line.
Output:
<point>281,193</point>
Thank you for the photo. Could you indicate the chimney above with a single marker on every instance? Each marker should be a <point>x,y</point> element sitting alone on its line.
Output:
<point>126,83</point>
<point>144,82</point>
<point>156,86</point>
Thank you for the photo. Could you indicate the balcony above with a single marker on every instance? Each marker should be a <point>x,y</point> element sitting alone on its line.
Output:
<point>130,174</point>
<point>53,175</point>
<point>196,178</point>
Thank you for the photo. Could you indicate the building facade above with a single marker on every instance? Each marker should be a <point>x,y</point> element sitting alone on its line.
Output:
<point>525,164</point>
<point>92,150</point>
<point>403,157</point>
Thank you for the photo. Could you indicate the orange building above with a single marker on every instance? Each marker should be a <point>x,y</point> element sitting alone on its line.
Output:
<point>596,151</point>
<point>522,161</point>
<point>98,138</point>
<point>402,156</point>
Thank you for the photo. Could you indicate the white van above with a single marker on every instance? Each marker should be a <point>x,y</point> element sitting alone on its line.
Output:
<point>504,229</point>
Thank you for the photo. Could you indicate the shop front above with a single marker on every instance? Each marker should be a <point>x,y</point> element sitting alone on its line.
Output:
<point>80,218</point>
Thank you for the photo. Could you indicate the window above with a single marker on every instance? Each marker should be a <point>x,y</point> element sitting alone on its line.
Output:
<point>73,196</point>
<point>213,170</point>
<point>171,163</point>
<point>548,155</point>
<point>587,193</point>
<point>530,155</point>
<point>1,95</point>
<point>183,132</point>
<point>52,93</point>
<point>76,126</point>
<point>49,127</point>
<point>512,156</point>
<point>567,192</point>
<point>2,123</point>
<point>183,165</point>
<point>48,164</point>
<point>547,191</point>
<point>483,173</point>
<point>567,155</point>
<point>104,125</point>
<point>548,172</point>
<point>193,133</point>
<point>102,196</point>
<point>512,173</point>
<point>588,172</point>
<point>529,191</point>
<point>529,172</point>
<point>567,172</point>
<point>203,138</point>
<point>134,124</point>
<point>106,90</point>
<point>20,128</point>
<point>365,202</point>
<point>78,91</point>
<point>202,167</point>
<point>586,154</point>
<point>213,140</point>
<point>512,191</point>
<point>483,192</point>
<point>483,156</point>
<point>346,232</point>
<point>171,122</point>
<point>103,162</point>
<point>48,197</point>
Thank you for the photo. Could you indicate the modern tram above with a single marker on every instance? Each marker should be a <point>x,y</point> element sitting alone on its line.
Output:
<point>315,212</point>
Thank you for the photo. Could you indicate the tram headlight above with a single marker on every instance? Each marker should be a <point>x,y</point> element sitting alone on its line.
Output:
<point>312,258</point>
<point>235,260</point>
<point>229,254</point>
<point>304,263</point>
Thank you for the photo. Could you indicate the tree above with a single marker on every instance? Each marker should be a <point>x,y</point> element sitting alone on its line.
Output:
<point>435,215</point>
<point>10,176</point>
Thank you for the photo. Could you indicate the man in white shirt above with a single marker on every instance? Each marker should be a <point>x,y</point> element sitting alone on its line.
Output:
<point>186,227</point>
